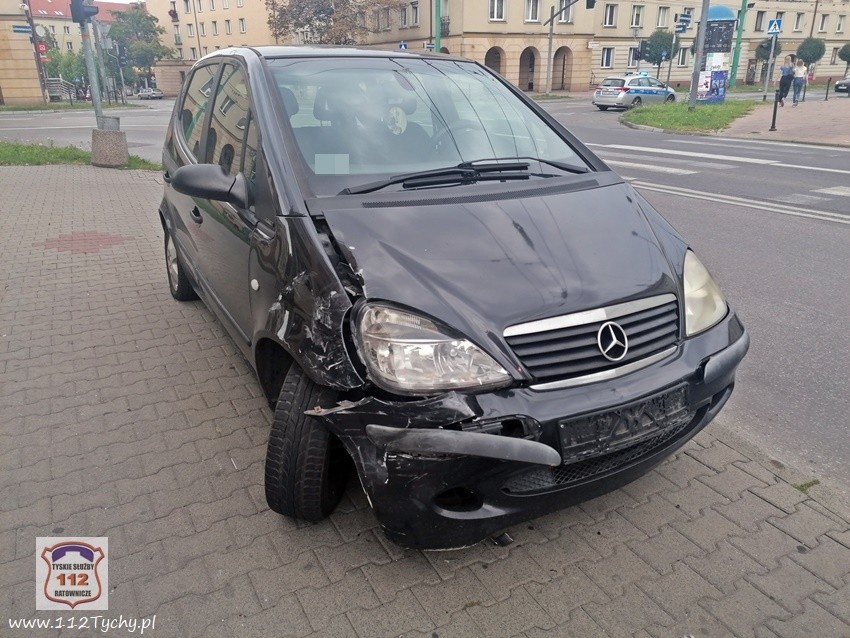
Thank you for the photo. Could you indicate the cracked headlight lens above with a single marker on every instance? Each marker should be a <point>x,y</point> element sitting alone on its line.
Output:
<point>704,303</point>
<point>410,354</point>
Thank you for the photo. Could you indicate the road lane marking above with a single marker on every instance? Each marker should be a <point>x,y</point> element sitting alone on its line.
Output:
<point>812,147</point>
<point>801,198</point>
<point>740,201</point>
<point>649,167</point>
<point>816,150</point>
<point>842,191</point>
<point>803,167</point>
<point>663,151</point>
<point>615,155</point>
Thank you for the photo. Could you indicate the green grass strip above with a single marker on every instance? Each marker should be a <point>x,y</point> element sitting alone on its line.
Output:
<point>677,117</point>
<point>17,154</point>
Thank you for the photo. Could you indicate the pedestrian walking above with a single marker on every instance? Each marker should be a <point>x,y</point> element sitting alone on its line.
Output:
<point>800,72</point>
<point>786,78</point>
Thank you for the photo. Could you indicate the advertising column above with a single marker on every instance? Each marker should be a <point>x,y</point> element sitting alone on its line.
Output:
<point>714,75</point>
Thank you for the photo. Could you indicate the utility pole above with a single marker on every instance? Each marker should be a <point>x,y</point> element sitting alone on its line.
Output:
<point>814,17</point>
<point>36,53</point>
<point>438,27</point>
<point>551,22</point>
<point>92,72</point>
<point>670,61</point>
<point>736,56</point>
<point>769,71</point>
<point>98,51</point>
<point>699,58</point>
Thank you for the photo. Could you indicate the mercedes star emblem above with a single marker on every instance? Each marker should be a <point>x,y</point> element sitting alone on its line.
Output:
<point>612,341</point>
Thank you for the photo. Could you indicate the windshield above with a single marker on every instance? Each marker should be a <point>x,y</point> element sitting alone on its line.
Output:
<point>613,82</point>
<point>356,120</point>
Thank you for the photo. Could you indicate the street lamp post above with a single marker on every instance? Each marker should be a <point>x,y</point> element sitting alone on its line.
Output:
<point>551,22</point>
<point>25,7</point>
<point>736,55</point>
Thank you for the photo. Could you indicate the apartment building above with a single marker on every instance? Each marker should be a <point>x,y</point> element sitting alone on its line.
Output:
<point>19,82</point>
<point>197,27</point>
<point>55,16</point>
<point>510,37</point>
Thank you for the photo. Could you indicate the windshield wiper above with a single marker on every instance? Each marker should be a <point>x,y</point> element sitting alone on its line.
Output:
<point>570,168</point>
<point>463,173</point>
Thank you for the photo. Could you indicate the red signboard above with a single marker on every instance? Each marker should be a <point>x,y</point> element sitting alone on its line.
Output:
<point>42,47</point>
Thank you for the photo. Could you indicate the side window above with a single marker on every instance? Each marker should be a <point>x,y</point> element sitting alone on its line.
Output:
<point>229,121</point>
<point>655,84</point>
<point>194,106</point>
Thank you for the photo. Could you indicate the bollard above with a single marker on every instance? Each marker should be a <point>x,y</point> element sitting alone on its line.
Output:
<point>828,84</point>
<point>775,104</point>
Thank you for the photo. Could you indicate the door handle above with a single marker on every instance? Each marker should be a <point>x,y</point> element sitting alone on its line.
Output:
<point>166,177</point>
<point>195,214</point>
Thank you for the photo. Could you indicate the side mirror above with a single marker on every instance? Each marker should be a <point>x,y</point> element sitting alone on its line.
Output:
<point>209,181</point>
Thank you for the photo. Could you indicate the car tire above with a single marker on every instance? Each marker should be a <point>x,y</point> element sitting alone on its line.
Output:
<point>306,466</point>
<point>602,108</point>
<point>636,102</point>
<point>670,99</point>
<point>178,282</point>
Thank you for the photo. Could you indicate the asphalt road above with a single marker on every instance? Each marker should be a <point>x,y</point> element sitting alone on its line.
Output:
<point>770,220</point>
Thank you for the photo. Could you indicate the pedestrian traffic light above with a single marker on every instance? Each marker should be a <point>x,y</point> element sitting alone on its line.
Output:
<point>82,13</point>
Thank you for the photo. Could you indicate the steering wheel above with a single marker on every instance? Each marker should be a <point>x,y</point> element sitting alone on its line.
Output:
<point>449,136</point>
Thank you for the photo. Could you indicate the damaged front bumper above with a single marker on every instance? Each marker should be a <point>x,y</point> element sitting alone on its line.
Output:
<point>451,470</point>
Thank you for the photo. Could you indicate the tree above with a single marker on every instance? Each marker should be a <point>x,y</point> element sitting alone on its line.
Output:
<point>138,31</point>
<point>49,39</point>
<point>66,64</point>
<point>811,50</point>
<point>328,21</point>
<point>763,49</point>
<point>844,56</point>
<point>660,48</point>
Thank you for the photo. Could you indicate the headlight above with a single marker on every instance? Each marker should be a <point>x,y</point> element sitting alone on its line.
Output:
<point>411,354</point>
<point>704,303</point>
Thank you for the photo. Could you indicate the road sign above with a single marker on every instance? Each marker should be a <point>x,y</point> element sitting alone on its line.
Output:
<point>429,46</point>
<point>42,47</point>
<point>685,18</point>
<point>402,45</point>
<point>774,27</point>
<point>21,28</point>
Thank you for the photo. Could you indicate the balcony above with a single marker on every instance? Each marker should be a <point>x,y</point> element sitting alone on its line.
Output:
<point>175,17</point>
<point>444,26</point>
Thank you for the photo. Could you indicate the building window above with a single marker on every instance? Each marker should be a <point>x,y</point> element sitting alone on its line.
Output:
<point>227,27</point>
<point>566,16</point>
<point>402,17</point>
<point>202,28</point>
<point>186,7</point>
<point>190,30</point>
<point>180,53</point>
<point>206,50</point>
<point>532,10</point>
<point>174,6</point>
<point>607,57</point>
<point>240,4</point>
<point>839,26</point>
<point>497,9</point>
<point>225,4</point>
<point>414,13</point>
<point>241,25</point>
<point>215,27</point>
<point>834,56</point>
<point>824,21</point>
<point>780,15</point>
<point>632,57</point>
<point>682,58</point>
<point>637,15</point>
<point>759,21</point>
<point>610,17</point>
<point>799,20</point>
<point>66,30</point>
<point>199,4</point>
<point>52,29</point>
<point>193,52</point>
<point>70,46</point>
<point>663,17</point>
<point>212,5</point>
<point>385,19</point>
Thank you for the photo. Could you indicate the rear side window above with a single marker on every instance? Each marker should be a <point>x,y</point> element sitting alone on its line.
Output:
<point>194,106</point>
<point>613,82</point>
<point>229,121</point>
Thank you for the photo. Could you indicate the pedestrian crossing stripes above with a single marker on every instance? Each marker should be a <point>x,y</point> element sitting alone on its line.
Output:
<point>842,191</point>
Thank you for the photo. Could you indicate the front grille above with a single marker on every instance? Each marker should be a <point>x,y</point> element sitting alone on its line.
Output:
<point>667,415</point>
<point>573,351</point>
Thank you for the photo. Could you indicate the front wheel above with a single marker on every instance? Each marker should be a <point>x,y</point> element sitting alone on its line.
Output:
<point>178,282</point>
<point>670,99</point>
<point>306,466</point>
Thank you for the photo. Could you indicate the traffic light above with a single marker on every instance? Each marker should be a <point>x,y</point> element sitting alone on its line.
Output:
<point>122,56</point>
<point>82,13</point>
<point>643,50</point>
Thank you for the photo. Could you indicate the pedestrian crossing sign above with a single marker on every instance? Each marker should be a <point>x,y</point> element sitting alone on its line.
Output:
<point>774,27</point>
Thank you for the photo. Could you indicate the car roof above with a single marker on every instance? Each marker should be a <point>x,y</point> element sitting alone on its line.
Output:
<point>328,51</point>
<point>630,76</point>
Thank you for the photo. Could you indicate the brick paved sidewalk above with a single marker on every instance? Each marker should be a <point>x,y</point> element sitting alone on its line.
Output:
<point>126,414</point>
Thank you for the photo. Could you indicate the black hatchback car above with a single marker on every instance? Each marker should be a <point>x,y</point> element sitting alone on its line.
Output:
<point>438,285</point>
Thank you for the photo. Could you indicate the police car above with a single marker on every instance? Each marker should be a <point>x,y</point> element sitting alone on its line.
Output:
<point>627,91</point>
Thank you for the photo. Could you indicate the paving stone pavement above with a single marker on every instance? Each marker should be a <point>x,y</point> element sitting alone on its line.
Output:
<point>128,415</point>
